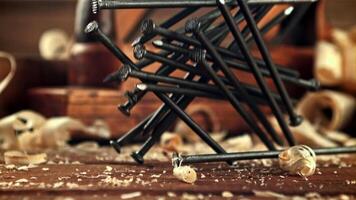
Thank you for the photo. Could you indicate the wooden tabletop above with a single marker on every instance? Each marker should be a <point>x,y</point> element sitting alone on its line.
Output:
<point>103,174</point>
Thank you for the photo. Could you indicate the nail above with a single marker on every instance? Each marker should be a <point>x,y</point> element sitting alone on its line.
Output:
<point>256,71</point>
<point>170,22</point>
<point>203,158</point>
<point>93,29</point>
<point>193,26</point>
<point>95,6</point>
<point>294,118</point>
<point>164,123</point>
<point>164,70</point>
<point>140,52</point>
<point>132,98</point>
<point>130,135</point>
<point>292,23</point>
<point>182,83</point>
<point>213,94</point>
<point>149,27</point>
<point>138,155</point>
<point>120,75</point>
<point>114,4</point>
<point>307,84</point>
<point>163,111</point>
<point>275,21</point>
<point>193,125</point>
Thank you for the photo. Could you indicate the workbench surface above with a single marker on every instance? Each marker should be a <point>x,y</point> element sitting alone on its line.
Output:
<point>103,174</point>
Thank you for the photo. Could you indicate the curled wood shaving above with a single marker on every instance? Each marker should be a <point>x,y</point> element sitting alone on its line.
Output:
<point>23,121</point>
<point>339,106</point>
<point>185,174</point>
<point>21,158</point>
<point>54,44</point>
<point>299,160</point>
<point>307,134</point>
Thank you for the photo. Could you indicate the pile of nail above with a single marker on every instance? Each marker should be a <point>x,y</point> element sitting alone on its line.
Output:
<point>196,49</point>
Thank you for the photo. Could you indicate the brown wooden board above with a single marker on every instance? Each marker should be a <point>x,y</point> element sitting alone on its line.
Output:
<point>82,175</point>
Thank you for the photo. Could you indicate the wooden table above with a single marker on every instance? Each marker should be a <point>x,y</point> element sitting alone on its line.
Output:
<point>102,174</point>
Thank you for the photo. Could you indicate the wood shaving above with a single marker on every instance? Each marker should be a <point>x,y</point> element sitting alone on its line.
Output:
<point>269,194</point>
<point>185,174</point>
<point>227,194</point>
<point>131,195</point>
<point>18,122</point>
<point>307,134</point>
<point>339,106</point>
<point>299,160</point>
<point>23,180</point>
<point>21,158</point>
<point>117,182</point>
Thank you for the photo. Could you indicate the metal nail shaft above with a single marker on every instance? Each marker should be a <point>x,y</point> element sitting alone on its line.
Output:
<point>255,155</point>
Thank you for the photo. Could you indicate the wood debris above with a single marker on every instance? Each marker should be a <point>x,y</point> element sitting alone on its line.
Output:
<point>21,158</point>
<point>299,160</point>
<point>185,173</point>
<point>131,195</point>
<point>227,194</point>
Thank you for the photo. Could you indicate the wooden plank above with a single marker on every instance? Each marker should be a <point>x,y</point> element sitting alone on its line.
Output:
<point>155,179</point>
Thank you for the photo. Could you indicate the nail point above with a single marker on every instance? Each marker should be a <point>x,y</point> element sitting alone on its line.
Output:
<point>158,43</point>
<point>289,10</point>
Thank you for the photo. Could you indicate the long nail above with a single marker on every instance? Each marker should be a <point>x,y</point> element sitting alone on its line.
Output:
<point>295,119</point>
<point>307,84</point>
<point>149,27</point>
<point>146,76</point>
<point>275,21</point>
<point>130,135</point>
<point>193,125</point>
<point>213,94</point>
<point>256,71</point>
<point>93,29</point>
<point>204,158</point>
<point>193,26</point>
<point>114,4</point>
<point>140,52</point>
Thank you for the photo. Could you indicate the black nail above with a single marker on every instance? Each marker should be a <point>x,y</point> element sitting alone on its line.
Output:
<point>149,27</point>
<point>295,119</point>
<point>275,21</point>
<point>130,135</point>
<point>307,84</point>
<point>213,94</point>
<point>93,28</point>
<point>190,159</point>
<point>114,4</point>
<point>193,26</point>
<point>193,125</point>
<point>140,52</point>
<point>256,71</point>
<point>150,77</point>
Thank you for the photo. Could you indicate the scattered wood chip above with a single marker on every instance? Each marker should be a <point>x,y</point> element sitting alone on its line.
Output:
<point>227,194</point>
<point>131,195</point>
<point>185,174</point>
<point>21,158</point>
<point>299,160</point>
